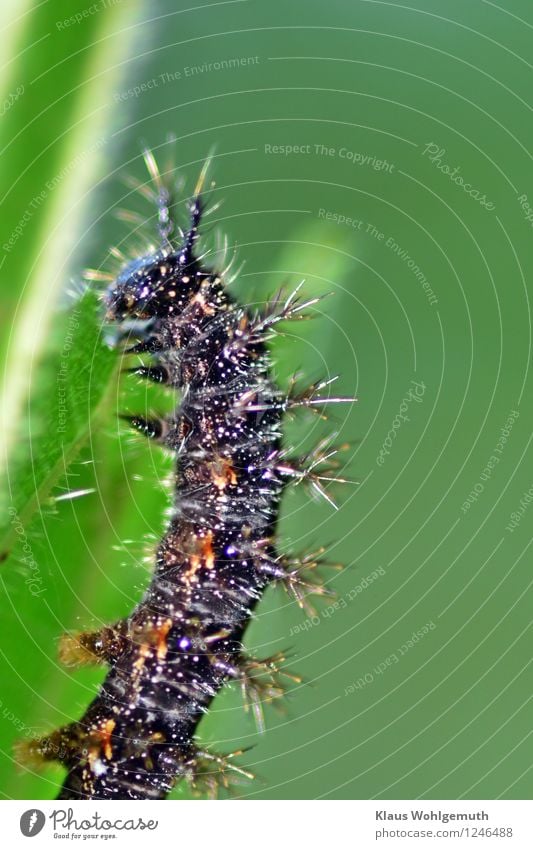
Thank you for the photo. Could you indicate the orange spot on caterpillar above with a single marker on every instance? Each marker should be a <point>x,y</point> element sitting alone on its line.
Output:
<point>101,741</point>
<point>202,303</point>
<point>161,633</point>
<point>205,554</point>
<point>223,473</point>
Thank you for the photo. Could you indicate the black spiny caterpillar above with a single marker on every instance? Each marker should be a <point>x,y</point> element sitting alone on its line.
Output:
<point>183,641</point>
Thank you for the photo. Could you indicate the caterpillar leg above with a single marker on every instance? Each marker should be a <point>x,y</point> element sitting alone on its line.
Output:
<point>87,647</point>
<point>154,428</point>
<point>62,746</point>
<point>157,374</point>
<point>208,772</point>
<point>260,681</point>
<point>300,576</point>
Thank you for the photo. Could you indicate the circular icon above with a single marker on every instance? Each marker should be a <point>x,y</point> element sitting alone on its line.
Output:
<point>32,822</point>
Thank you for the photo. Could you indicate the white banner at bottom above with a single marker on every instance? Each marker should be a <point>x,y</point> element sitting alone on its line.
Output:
<point>238,824</point>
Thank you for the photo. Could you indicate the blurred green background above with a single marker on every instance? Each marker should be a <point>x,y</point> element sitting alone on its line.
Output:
<point>388,106</point>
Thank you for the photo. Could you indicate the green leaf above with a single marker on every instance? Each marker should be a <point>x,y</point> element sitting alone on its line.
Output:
<point>72,394</point>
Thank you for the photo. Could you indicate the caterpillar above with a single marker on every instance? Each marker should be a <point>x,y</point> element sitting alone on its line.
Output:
<point>184,640</point>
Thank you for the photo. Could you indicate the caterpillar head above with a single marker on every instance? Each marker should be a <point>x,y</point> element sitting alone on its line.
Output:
<point>155,285</point>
